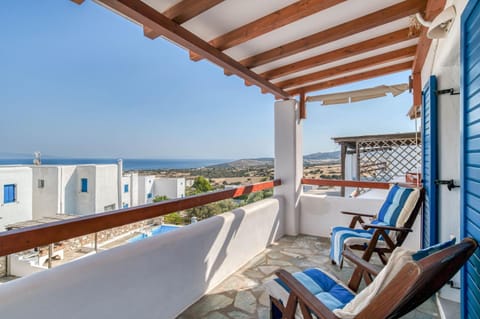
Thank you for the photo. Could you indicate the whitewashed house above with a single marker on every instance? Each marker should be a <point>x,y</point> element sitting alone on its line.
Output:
<point>16,191</point>
<point>142,189</point>
<point>74,189</point>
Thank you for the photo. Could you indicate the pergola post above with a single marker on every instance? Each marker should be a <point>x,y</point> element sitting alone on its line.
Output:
<point>289,161</point>
<point>343,155</point>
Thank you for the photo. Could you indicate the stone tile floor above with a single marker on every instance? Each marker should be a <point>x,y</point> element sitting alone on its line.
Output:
<point>241,296</point>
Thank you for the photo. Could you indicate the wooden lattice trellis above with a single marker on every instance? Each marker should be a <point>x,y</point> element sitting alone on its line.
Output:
<point>384,159</point>
<point>381,157</point>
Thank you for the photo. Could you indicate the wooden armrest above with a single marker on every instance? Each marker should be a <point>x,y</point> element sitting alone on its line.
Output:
<point>386,227</point>
<point>360,262</point>
<point>305,296</point>
<point>359,214</point>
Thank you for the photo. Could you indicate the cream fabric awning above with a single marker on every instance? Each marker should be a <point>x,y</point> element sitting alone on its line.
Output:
<point>359,95</point>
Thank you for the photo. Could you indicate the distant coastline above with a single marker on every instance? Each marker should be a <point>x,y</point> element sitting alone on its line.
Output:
<point>140,164</point>
<point>128,163</point>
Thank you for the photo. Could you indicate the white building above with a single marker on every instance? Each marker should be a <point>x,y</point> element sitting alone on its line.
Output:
<point>139,190</point>
<point>33,192</point>
<point>74,189</point>
<point>16,201</point>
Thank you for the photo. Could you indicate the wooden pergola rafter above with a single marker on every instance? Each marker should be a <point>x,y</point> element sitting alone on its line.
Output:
<point>378,18</point>
<point>286,68</point>
<point>270,22</point>
<point>350,67</point>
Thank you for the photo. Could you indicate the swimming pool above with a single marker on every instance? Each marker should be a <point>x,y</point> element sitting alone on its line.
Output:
<point>156,231</point>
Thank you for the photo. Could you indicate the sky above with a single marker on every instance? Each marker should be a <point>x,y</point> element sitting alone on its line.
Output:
<point>81,81</point>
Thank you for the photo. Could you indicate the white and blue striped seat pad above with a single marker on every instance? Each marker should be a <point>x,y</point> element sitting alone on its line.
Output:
<point>393,205</point>
<point>327,289</point>
<point>339,235</point>
<point>388,215</point>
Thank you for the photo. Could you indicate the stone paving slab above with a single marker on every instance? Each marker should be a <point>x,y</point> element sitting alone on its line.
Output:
<point>242,296</point>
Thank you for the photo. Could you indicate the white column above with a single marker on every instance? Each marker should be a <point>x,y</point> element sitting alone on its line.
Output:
<point>289,161</point>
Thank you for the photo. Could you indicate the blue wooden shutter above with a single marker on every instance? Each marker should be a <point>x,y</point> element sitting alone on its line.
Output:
<point>470,187</point>
<point>84,185</point>
<point>429,165</point>
<point>9,193</point>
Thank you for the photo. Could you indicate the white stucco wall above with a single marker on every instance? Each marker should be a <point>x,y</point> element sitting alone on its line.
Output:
<point>443,61</point>
<point>106,187</point>
<point>126,196</point>
<point>157,277</point>
<point>170,187</point>
<point>145,186</point>
<point>85,201</point>
<point>319,213</point>
<point>289,161</point>
<point>21,209</point>
<point>46,199</point>
<point>68,189</point>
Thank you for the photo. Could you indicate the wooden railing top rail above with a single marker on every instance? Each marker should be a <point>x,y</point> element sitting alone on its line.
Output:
<point>345,183</point>
<point>35,236</point>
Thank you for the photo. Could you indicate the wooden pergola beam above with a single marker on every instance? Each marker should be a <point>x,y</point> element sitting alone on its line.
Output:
<point>188,9</point>
<point>182,12</point>
<point>149,17</point>
<point>268,23</point>
<point>417,89</point>
<point>342,53</point>
<point>302,106</point>
<point>349,67</point>
<point>78,1</point>
<point>353,78</point>
<point>434,7</point>
<point>384,16</point>
<point>272,21</point>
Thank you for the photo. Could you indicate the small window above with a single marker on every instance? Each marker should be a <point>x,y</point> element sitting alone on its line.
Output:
<point>41,183</point>
<point>125,188</point>
<point>149,195</point>
<point>9,193</point>
<point>84,185</point>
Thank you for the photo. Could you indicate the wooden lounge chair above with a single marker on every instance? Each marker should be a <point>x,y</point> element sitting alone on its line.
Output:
<point>402,288</point>
<point>385,232</point>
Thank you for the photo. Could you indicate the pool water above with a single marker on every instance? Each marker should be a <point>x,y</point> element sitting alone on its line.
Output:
<point>156,231</point>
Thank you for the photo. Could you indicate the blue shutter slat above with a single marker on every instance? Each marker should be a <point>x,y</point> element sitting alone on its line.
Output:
<point>470,165</point>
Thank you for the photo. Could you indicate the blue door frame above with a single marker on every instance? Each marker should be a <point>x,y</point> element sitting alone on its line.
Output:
<point>429,163</point>
<point>470,157</point>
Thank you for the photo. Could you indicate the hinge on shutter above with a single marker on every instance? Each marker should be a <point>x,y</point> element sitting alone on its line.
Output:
<point>448,91</point>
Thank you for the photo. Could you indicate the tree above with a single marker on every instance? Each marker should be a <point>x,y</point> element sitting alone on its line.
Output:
<point>201,185</point>
<point>157,199</point>
<point>174,218</point>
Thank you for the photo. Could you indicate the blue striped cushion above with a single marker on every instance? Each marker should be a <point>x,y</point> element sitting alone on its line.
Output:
<point>339,235</point>
<point>425,252</point>
<point>325,287</point>
<point>395,201</point>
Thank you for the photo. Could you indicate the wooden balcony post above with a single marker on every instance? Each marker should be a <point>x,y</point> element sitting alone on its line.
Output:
<point>289,161</point>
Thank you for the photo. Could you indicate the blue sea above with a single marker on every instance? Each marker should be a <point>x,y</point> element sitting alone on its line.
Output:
<point>128,163</point>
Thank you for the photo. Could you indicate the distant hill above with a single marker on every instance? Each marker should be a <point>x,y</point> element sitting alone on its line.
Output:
<point>321,157</point>
<point>245,163</point>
